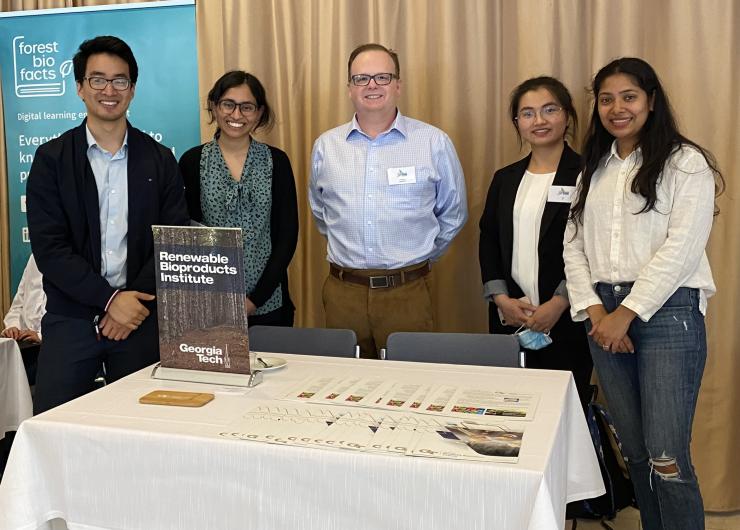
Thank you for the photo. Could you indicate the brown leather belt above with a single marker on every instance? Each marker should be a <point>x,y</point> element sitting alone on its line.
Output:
<point>386,281</point>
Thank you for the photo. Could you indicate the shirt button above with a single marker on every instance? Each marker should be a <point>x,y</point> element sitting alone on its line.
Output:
<point>110,252</point>
<point>617,288</point>
<point>369,222</point>
<point>112,222</point>
<point>112,192</point>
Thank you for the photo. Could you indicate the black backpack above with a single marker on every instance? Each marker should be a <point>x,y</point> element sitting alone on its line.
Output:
<point>619,491</point>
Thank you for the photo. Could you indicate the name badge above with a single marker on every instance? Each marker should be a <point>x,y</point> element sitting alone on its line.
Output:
<point>561,194</point>
<point>401,175</point>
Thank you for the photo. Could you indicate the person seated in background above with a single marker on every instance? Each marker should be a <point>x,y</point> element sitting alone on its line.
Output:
<point>236,181</point>
<point>23,321</point>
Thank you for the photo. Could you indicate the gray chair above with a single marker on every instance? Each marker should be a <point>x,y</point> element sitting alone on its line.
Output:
<point>306,341</point>
<point>456,348</point>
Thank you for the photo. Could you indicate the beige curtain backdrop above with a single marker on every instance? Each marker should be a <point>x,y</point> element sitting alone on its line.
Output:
<point>459,61</point>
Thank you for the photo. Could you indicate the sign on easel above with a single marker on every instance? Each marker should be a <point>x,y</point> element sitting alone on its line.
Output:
<point>201,303</point>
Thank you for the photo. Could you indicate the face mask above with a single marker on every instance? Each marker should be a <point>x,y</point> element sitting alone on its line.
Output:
<point>533,340</point>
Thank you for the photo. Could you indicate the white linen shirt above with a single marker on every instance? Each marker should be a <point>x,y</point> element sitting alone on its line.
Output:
<point>372,223</point>
<point>659,250</point>
<point>29,303</point>
<point>111,179</point>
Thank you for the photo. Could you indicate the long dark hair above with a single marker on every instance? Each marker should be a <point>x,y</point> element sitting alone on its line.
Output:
<point>558,91</point>
<point>659,137</point>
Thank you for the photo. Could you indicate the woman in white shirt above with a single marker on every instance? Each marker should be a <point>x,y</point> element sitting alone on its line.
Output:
<point>638,274</point>
<point>23,321</point>
<point>521,239</point>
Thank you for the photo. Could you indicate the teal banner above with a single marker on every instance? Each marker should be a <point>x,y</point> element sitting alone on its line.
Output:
<point>40,94</point>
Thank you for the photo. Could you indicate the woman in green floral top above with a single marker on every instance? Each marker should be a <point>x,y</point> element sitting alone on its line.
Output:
<point>236,181</point>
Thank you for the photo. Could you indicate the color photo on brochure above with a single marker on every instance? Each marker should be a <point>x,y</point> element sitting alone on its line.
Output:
<point>478,402</point>
<point>200,298</point>
<point>499,440</point>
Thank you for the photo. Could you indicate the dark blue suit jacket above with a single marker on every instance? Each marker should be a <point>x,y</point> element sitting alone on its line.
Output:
<point>64,218</point>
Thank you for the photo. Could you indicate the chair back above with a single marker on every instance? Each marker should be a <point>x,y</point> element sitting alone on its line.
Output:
<point>455,348</point>
<point>305,341</point>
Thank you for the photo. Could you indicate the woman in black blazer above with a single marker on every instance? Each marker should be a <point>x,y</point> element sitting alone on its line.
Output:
<point>522,226</point>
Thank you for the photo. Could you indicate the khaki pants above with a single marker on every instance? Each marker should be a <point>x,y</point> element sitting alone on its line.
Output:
<point>373,314</point>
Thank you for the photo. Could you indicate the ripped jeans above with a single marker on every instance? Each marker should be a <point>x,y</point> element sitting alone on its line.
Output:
<point>651,395</point>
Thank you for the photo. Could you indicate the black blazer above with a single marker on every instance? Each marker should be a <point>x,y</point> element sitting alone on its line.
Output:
<point>64,218</point>
<point>497,227</point>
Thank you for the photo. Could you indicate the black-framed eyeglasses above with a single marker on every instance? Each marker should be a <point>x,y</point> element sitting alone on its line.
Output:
<point>548,111</point>
<point>99,83</point>
<point>380,79</point>
<point>229,105</point>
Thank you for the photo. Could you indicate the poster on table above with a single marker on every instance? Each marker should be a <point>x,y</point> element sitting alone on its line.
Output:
<point>200,299</point>
<point>39,92</point>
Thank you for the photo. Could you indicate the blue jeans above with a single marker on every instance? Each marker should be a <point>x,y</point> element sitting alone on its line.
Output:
<point>652,398</point>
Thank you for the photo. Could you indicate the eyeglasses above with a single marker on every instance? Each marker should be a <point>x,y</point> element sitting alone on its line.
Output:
<point>229,105</point>
<point>380,79</point>
<point>99,83</point>
<point>548,111</point>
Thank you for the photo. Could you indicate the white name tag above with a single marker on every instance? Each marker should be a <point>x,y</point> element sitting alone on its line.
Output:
<point>561,194</point>
<point>401,175</point>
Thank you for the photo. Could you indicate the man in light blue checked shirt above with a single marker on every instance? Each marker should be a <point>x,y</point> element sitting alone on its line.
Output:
<point>388,192</point>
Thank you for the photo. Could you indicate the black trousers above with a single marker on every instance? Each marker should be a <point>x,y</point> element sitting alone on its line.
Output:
<point>71,356</point>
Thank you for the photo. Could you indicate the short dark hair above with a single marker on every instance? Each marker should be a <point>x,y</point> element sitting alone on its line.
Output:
<point>236,78</point>
<point>553,86</point>
<point>104,44</point>
<point>369,48</point>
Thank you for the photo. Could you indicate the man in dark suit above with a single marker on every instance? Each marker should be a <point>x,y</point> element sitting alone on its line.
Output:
<point>93,194</point>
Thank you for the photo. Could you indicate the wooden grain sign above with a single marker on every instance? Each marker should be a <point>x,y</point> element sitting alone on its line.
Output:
<point>201,301</point>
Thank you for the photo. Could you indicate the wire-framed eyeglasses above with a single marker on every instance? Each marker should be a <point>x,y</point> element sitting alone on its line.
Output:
<point>547,111</point>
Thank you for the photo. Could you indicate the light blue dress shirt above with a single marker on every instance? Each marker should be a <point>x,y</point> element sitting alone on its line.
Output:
<point>111,178</point>
<point>369,219</point>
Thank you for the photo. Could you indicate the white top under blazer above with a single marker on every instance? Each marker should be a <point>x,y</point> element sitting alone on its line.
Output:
<point>531,197</point>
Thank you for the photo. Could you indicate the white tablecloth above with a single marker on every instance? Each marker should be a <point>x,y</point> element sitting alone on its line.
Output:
<point>105,461</point>
<point>15,394</point>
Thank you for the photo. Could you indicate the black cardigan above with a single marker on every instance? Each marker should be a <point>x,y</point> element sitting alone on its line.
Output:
<point>283,220</point>
<point>497,227</point>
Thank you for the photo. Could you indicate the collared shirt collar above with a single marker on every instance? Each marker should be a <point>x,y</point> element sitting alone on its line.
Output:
<point>92,142</point>
<point>399,124</point>
<point>614,152</point>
